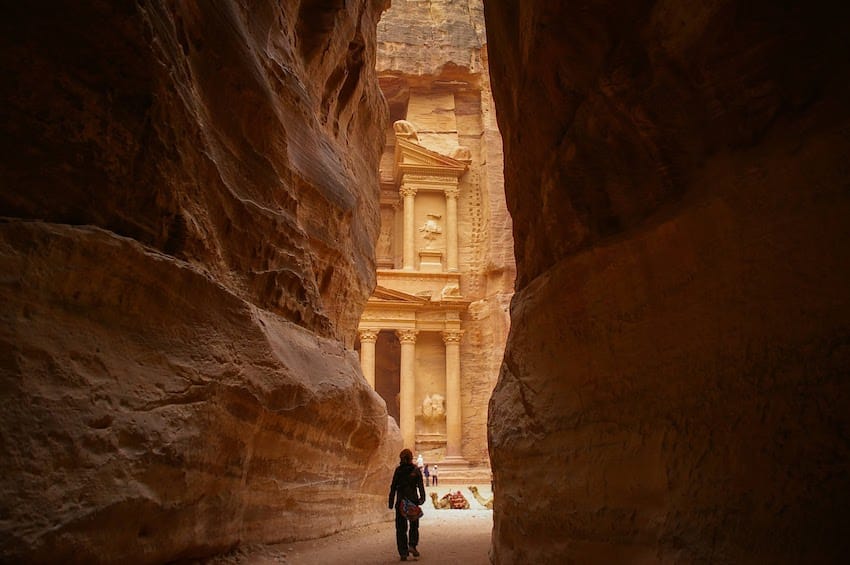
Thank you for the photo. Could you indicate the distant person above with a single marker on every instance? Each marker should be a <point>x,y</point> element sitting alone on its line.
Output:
<point>420,461</point>
<point>434,477</point>
<point>427,474</point>
<point>406,485</point>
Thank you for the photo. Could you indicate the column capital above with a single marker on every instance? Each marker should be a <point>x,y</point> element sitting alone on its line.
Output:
<point>407,190</point>
<point>368,335</point>
<point>452,336</point>
<point>452,191</point>
<point>407,336</point>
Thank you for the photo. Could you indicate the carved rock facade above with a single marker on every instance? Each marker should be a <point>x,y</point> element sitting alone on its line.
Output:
<point>190,208</point>
<point>445,261</point>
<point>675,384</point>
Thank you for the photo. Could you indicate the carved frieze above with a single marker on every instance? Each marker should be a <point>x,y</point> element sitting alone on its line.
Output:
<point>372,316</point>
<point>425,179</point>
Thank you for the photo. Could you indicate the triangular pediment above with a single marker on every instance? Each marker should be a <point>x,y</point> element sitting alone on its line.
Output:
<point>413,154</point>
<point>383,293</point>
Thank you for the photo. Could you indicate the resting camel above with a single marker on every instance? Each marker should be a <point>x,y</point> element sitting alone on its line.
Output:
<point>440,504</point>
<point>457,500</point>
<point>453,501</point>
<point>488,504</point>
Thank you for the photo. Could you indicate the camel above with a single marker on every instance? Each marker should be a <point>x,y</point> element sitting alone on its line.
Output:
<point>440,504</point>
<point>457,500</point>
<point>453,501</point>
<point>488,504</point>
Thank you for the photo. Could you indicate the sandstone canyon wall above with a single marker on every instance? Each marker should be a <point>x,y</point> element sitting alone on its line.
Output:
<point>675,383</point>
<point>189,201</point>
<point>432,68</point>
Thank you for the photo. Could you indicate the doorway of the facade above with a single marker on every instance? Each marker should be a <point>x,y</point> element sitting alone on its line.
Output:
<point>388,371</point>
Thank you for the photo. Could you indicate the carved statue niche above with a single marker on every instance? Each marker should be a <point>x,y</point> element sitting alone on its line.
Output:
<point>431,230</point>
<point>406,130</point>
<point>434,407</point>
<point>451,290</point>
<point>384,246</point>
<point>462,153</point>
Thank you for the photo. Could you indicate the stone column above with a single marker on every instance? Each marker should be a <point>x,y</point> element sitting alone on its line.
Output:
<point>407,408</point>
<point>367,354</point>
<point>453,397</point>
<point>409,236</point>
<point>451,228</point>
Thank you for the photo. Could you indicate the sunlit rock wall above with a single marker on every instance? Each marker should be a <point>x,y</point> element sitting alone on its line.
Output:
<point>189,193</point>
<point>432,66</point>
<point>675,385</point>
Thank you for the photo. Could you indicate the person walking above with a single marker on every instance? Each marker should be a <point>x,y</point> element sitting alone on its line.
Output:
<point>434,477</point>
<point>406,485</point>
<point>427,474</point>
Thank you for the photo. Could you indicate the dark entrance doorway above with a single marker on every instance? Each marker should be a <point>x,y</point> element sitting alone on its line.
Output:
<point>388,371</point>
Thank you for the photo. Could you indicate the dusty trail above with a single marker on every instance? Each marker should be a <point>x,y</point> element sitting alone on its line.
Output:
<point>446,537</point>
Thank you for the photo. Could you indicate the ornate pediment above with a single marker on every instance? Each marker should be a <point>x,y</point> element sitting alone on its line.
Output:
<point>414,159</point>
<point>383,293</point>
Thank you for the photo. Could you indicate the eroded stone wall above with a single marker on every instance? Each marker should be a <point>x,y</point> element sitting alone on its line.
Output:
<point>432,67</point>
<point>189,193</point>
<point>675,383</point>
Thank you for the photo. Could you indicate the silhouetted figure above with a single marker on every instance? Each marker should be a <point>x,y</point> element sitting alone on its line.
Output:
<point>407,485</point>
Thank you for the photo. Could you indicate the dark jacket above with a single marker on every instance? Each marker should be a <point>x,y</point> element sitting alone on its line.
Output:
<point>407,480</point>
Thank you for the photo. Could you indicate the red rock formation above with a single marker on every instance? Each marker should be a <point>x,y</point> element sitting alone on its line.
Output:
<point>675,385</point>
<point>190,202</point>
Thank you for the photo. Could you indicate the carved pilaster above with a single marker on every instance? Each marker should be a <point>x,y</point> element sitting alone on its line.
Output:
<point>407,386</point>
<point>454,421</point>
<point>409,194</point>
<point>451,228</point>
<point>368,337</point>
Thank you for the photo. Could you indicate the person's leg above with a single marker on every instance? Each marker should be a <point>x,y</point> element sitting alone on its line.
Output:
<point>414,536</point>
<point>401,533</point>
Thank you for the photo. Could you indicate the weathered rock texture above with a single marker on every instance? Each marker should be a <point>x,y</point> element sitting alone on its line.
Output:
<point>432,67</point>
<point>190,202</point>
<point>675,384</point>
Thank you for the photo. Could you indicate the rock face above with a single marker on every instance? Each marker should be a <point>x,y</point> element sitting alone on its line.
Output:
<point>675,384</point>
<point>432,68</point>
<point>190,210</point>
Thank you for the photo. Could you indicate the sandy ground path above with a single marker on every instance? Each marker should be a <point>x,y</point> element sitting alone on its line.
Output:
<point>445,537</point>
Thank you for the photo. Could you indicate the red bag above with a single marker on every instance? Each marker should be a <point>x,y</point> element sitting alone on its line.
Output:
<point>410,510</point>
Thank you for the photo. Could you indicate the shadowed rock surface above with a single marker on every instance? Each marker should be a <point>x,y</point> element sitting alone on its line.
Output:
<point>189,196</point>
<point>675,383</point>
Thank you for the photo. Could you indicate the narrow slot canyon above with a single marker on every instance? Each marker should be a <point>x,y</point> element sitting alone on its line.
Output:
<point>592,258</point>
